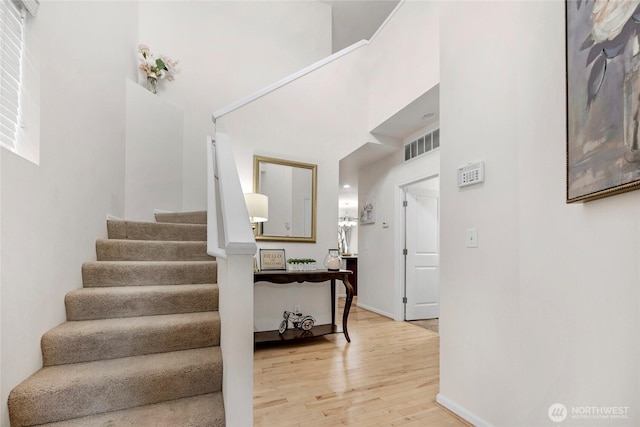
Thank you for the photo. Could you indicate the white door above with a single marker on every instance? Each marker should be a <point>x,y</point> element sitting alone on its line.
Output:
<point>422,225</point>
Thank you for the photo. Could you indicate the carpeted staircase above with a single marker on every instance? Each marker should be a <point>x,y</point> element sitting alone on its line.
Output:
<point>140,346</point>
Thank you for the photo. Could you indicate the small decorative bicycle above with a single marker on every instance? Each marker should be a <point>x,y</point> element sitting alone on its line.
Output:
<point>300,321</point>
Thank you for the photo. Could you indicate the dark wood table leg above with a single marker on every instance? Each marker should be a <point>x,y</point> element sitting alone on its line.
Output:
<point>347,307</point>
<point>333,301</point>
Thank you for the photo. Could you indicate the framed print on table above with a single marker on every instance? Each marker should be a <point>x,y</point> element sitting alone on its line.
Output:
<point>603,98</point>
<point>272,259</point>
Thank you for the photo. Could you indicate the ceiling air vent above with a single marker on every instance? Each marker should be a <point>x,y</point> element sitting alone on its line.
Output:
<point>422,145</point>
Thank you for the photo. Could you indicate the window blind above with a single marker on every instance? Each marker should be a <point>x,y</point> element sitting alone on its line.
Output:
<point>11,50</point>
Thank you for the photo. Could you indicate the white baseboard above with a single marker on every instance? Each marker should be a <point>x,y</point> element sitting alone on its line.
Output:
<point>375,310</point>
<point>461,412</point>
<point>114,218</point>
<point>155,211</point>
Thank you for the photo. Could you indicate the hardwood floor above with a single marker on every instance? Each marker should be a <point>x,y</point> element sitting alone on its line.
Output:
<point>428,324</point>
<point>387,376</point>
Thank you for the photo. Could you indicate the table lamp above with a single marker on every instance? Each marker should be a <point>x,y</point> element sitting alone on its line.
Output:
<point>257,206</point>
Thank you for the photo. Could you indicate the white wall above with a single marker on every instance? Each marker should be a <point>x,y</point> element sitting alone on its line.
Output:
<point>52,213</point>
<point>403,63</point>
<point>403,59</point>
<point>153,157</point>
<point>228,50</point>
<point>545,310</point>
<point>379,260</point>
<point>326,118</point>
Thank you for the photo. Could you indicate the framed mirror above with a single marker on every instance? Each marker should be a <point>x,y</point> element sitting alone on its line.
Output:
<point>291,189</point>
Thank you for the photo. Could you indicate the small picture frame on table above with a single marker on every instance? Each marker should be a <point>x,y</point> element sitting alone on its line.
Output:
<point>272,259</point>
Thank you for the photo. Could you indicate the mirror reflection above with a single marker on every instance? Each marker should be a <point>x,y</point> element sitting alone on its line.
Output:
<point>291,189</point>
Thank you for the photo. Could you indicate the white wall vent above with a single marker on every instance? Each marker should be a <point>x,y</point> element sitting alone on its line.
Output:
<point>422,145</point>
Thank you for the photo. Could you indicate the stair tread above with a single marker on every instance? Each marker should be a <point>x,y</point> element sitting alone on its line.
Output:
<point>145,273</point>
<point>128,301</point>
<point>159,224</point>
<point>158,250</point>
<point>52,378</point>
<point>130,290</point>
<point>143,241</point>
<point>194,217</point>
<point>125,264</point>
<point>206,410</point>
<point>120,384</point>
<point>141,230</point>
<point>86,340</point>
<point>123,323</point>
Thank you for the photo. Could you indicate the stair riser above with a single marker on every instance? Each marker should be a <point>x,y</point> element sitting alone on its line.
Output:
<point>146,274</point>
<point>63,347</point>
<point>156,231</point>
<point>135,250</point>
<point>125,388</point>
<point>103,304</point>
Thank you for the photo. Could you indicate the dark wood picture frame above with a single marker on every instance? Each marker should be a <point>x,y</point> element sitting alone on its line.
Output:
<point>603,99</point>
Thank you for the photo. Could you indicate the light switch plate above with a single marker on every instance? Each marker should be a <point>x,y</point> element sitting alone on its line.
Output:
<point>472,238</point>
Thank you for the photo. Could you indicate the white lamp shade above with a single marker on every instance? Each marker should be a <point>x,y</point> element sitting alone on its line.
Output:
<point>257,206</point>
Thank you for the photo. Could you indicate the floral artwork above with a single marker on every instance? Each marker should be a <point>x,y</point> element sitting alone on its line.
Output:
<point>603,98</point>
<point>368,214</point>
<point>155,68</point>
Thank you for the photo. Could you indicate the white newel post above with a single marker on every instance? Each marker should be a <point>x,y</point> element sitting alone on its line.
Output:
<point>235,280</point>
<point>230,239</point>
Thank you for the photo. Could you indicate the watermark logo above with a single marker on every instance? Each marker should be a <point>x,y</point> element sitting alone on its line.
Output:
<point>557,412</point>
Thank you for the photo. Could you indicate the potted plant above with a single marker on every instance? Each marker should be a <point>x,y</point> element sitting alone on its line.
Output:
<point>155,68</point>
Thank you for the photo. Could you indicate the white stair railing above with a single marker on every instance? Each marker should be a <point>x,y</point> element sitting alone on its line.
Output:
<point>301,73</point>
<point>230,239</point>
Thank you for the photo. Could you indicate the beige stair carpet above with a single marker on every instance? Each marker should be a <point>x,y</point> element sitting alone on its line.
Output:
<point>198,217</point>
<point>140,346</point>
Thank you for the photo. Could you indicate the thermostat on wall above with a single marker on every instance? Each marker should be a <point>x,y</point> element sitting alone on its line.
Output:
<point>473,173</point>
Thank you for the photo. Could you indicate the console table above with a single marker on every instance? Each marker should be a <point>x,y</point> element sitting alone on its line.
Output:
<point>351,262</point>
<point>284,277</point>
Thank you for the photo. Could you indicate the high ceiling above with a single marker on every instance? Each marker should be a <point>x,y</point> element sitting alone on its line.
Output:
<point>352,21</point>
<point>355,20</point>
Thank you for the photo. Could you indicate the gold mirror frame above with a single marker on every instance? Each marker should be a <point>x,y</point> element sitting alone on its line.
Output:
<point>257,160</point>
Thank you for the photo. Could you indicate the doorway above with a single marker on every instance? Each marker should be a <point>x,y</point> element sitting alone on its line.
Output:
<point>422,249</point>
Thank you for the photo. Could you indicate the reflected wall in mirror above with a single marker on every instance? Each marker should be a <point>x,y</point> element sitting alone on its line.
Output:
<point>291,188</point>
